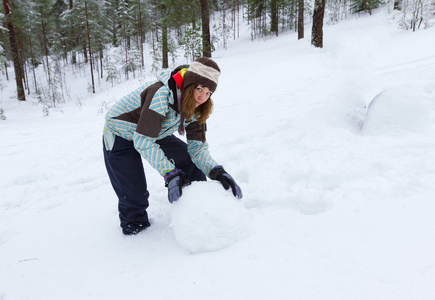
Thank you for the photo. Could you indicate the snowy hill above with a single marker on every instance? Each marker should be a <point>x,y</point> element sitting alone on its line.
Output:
<point>338,189</point>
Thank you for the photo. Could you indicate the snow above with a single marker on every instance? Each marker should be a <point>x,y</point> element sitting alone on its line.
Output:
<point>338,189</point>
<point>397,111</point>
<point>209,218</point>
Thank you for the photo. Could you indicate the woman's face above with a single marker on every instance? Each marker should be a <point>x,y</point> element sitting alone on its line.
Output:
<point>202,94</point>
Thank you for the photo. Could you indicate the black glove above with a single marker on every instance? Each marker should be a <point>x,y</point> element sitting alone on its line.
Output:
<point>175,180</point>
<point>218,173</point>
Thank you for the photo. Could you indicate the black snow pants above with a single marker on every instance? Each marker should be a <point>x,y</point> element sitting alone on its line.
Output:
<point>126,173</point>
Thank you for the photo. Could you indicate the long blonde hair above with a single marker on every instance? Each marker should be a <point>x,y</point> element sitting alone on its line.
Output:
<point>189,109</point>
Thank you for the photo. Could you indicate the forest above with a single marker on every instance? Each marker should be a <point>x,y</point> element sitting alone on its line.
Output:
<point>108,36</point>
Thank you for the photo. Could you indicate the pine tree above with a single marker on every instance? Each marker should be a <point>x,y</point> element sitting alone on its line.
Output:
<point>317,31</point>
<point>141,35</point>
<point>300,19</point>
<point>274,16</point>
<point>42,11</point>
<point>365,5</point>
<point>14,49</point>
<point>205,18</point>
<point>89,47</point>
<point>164,26</point>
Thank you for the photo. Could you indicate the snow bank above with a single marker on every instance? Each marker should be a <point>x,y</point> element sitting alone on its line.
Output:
<point>208,218</point>
<point>397,111</point>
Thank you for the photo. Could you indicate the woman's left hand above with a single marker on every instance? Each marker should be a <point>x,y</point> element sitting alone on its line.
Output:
<point>218,173</point>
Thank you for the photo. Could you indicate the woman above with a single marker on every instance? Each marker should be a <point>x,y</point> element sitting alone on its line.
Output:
<point>143,123</point>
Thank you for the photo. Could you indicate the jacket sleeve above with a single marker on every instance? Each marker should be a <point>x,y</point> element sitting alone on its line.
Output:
<point>197,147</point>
<point>152,152</point>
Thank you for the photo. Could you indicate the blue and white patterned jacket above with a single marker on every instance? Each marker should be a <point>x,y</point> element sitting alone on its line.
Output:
<point>145,115</point>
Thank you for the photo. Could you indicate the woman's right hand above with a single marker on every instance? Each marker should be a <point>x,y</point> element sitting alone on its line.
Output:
<point>175,180</point>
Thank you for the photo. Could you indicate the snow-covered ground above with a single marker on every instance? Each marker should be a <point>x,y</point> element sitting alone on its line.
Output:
<point>338,189</point>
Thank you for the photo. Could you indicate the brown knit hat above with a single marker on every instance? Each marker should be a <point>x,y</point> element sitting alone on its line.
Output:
<point>203,71</point>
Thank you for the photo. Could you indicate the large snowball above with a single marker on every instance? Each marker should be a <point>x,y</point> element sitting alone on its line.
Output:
<point>208,218</point>
<point>397,111</point>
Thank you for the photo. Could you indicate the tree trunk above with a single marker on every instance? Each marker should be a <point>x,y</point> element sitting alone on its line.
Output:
<point>165,50</point>
<point>317,31</point>
<point>85,50</point>
<point>101,61</point>
<point>141,36</point>
<point>224,26</point>
<point>24,71</point>
<point>127,68</point>
<point>23,65</point>
<point>233,18</point>
<point>238,19</point>
<point>72,38</point>
<point>274,17</point>
<point>18,74</point>
<point>300,19</point>
<point>6,70</point>
<point>45,43</point>
<point>89,47</point>
<point>205,17</point>
<point>127,35</point>
<point>32,59</point>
